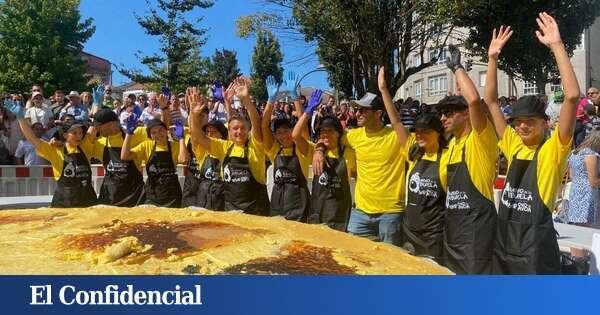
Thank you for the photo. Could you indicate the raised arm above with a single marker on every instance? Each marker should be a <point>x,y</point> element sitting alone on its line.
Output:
<point>126,153</point>
<point>266,128</point>
<point>228,99</point>
<point>19,113</point>
<point>243,93</point>
<point>468,89</point>
<point>399,128</point>
<point>198,118</point>
<point>163,103</point>
<point>490,94</point>
<point>300,130</point>
<point>549,35</point>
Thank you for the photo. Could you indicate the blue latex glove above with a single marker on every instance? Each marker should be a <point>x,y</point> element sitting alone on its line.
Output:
<point>292,84</point>
<point>179,129</point>
<point>218,92</point>
<point>272,89</point>
<point>131,124</point>
<point>315,100</point>
<point>166,92</point>
<point>98,95</point>
<point>15,108</point>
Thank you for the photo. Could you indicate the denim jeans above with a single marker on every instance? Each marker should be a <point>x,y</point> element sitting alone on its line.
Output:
<point>386,227</point>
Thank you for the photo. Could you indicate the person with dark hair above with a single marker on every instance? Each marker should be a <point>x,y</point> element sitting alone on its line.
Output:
<point>331,200</point>
<point>470,168</point>
<point>290,197</point>
<point>423,223</point>
<point>70,164</point>
<point>584,205</point>
<point>244,167</point>
<point>526,239</point>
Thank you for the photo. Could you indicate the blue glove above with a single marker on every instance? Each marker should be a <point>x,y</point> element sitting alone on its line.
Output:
<point>272,88</point>
<point>179,129</point>
<point>131,124</point>
<point>166,92</point>
<point>292,85</point>
<point>218,92</point>
<point>98,95</point>
<point>315,100</point>
<point>15,108</point>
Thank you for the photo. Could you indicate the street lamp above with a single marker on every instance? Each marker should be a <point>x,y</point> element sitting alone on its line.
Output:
<point>320,67</point>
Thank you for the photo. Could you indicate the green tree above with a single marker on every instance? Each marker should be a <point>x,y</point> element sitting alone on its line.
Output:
<point>524,57</point>
<point>179,41</point>
<point>42,42</point>
<point>224,66</point>
<point>353,37</point>
<point>266,61</point>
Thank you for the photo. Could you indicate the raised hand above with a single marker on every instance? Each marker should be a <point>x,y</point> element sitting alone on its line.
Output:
<point>315,100</point>
<point>272,88</point>
<point>179,129</point>
<point>499,39</point>
<point>15,108</point>
<point>453,61</point>
<point>163,101</point>
<point>98,95</point>
<point>381,79</point>
<point>196,100</point>
<point>131,124</point>
<point>166,91</point>
<point>292,85</point>
<point>548,34</point>
<point>229,93</point>
<point>218,91</point>
<point>242,87</point>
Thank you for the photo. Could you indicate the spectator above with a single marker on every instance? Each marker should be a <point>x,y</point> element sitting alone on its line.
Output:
<point>506,108</point>
<point>37,88</point>
<point>25,154</point>
<point>176,111</point>
<point>217,112</point>
<point>58,105</point>
<point>152,111</point>
<point>39,113</point>
<point>76,109</point>
<point>86,100</point>
<point>288,110</point>
<point>582,120</point>
<point>594,96</point>
<point>408,112</point>
<point>344,116</point>
<point>9,126</point>
<point>594,120</point>
<point>585,193</point>
<point>127,111</point>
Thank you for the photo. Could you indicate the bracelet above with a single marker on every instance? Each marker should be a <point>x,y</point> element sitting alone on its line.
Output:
<point>456,67</point>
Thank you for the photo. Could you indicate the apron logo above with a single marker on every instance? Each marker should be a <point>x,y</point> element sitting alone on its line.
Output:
<point>414,184</point>
<point>227,174</point>
<point>521,198</point>
<point>210,174</point>
<point>152,169</point>
<point>457,200</point>
<point>323,179</point>
<point>70,170</point>
<point>422,186</point>
<point>278,175</point>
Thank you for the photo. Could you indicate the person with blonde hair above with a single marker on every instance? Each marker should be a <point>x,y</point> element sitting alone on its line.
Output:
<point>585,173</point>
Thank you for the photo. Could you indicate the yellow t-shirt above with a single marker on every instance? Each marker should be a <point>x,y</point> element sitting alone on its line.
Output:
<point>480,156</point>
<point>427,157</point>
<point>552,161</point>
<point>256,156</point>
<point>115,141</point>
<point>305,160</point>
<point>381,170</point>
<point>143,151</point>
<point>349,157</point>
<point>56,157</point>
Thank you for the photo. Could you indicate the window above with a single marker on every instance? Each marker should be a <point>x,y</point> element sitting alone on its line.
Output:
<point>482,78</point>
<point>438,85</point>
<point>529,88</point>
<point>416,60</point>
<point>433,53</point>
<point>418,88</point>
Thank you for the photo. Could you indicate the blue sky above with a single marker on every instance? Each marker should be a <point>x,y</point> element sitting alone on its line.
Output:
<point>118,36</point>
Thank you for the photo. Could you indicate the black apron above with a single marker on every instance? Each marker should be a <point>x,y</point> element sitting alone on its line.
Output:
<point>123,183</point>
<point>423,222</point>
<point>526,240</point>
<point>290,197</point>
<point>470,224</point>
<point>242,191</point>
<point>162,185</point>
<point>74,187</point>
<point>331,200</point>
<point>203,186</point>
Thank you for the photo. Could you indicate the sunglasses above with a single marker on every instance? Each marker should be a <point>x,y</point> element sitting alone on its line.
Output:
<point>592,93</point>
<point>448,112</point>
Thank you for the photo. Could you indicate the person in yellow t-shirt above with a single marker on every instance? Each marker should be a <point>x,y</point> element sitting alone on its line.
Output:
<point>161,156</point>
<point>331,198</point>
<point>70,163</point>
<point>423,223</point>
<point>526,240</point>
<point>470,166</point>
<point>379,190</point>
<point>123,184</point>
<point>244,169</point>
<point>290,197</point>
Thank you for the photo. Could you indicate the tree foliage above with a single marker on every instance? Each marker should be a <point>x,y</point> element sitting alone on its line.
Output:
<point>354,37</point>
<point>524,57</point>
<point>42,42</point>
<point>224,66</point>
<point>266,61</point>
<point>178,65</point>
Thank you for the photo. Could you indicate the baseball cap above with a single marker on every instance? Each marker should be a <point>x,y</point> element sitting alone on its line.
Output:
<point>456,102</point>
<point>105,115</point>
<point>330,122</point>
<point>70,127</point>
<point>529,106</point>
<point>369,101</point>
<point>154,123</point>
<point>428,121</point>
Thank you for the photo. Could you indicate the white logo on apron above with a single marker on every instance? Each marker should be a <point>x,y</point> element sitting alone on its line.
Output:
<point>210,174</point>
<point>227,174</point>
<point>278,175</point>
<point>414,183</point>
<point>70,170</point>
<point>521,198</point>
<point>152,169</point>
<point>323,179</point>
